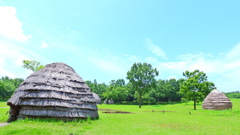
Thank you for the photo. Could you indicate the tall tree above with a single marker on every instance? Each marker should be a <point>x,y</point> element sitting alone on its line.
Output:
<point>142,76</point>
<point>32,65</point>
<point>196,87</point>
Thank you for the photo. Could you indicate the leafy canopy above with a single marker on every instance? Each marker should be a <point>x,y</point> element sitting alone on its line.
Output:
<point>142,77</point>
<point>32,65</point>
<point>196,87</point>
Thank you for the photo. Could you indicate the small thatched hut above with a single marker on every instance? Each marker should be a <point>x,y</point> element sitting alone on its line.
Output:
<point>108,101</point>
<point>97,98</point>
<point>216,100</point>
<point>56,91</point>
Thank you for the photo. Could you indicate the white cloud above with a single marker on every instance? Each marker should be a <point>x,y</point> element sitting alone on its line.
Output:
<point>12,56</point>
<point>10,26</point>
<point>109,66</point>
<point>234,53</point>
<point>4,72</point>
<point>151,60</point>
<point>133,58</point>
<point>222,69</point>
<point>44,45</point>
<point>155,49</point>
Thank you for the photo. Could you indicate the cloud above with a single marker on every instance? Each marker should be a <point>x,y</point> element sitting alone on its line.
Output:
<point>155,49</point>
<point>133,58</point>
<point>109,67</point>
<point>234,53</point>
<point>4,72</point>
<point>12,55</point>
<point>152,60</point>
<point>222,69</point>
<point>44,45</point>
<point>10,26</point>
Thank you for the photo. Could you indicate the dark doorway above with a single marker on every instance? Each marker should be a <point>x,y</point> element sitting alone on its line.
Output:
<point>14,112</point>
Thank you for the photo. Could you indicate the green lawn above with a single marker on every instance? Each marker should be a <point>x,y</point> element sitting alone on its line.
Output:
<point>141,121</point>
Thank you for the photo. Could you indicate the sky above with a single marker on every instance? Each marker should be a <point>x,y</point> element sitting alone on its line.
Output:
<point>102,39</point>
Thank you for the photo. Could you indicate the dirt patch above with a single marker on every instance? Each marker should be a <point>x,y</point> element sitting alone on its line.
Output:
<point>3,124</point>
<point>160,111</point>
<point>172,126</point>
<point>109,110</point>
<point>113,111</point>
<point>118,112</point>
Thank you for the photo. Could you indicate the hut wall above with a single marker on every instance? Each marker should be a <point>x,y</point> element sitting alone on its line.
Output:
<point>217,105</point>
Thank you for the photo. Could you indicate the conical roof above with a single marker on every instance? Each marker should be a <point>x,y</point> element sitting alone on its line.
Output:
<point>216,100</point>
<point>97,98</point>
<point>55,91</point>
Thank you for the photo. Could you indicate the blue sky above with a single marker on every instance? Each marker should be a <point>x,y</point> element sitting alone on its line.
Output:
<point>102,39</point>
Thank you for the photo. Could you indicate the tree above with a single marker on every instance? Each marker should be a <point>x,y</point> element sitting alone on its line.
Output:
<point>3,90</point>
<point>8,86</point>
<point>117,93</point>
<point>98,88</point>
<point>142,77</point>
<point>32,65</point>
<point>196,87</point>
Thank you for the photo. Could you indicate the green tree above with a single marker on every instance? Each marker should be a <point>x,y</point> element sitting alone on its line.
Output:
<point>142,77</point>
<point>32,65</point>
<point>8,86</point>
<point>3,90</point>
<point>117,91</point>
<point>117,94</point>
<point>131,92</point>
<point>196,87</point>
<point>98,88</point>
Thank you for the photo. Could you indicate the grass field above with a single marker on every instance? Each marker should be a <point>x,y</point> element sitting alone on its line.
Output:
<point>141,121</point>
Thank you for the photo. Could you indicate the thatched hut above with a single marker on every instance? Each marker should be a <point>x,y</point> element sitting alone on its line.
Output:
<point>56,91</point>
<point>97,98</point>
<point>216,100</point>
<point>108,101</point>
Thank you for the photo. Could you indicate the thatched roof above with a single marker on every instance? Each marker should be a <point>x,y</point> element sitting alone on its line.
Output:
<point>108,101</point>
<point>56,91</point>
<point>97,98</point>
<point>216,100</point>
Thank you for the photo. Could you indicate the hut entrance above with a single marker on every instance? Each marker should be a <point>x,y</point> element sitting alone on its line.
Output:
<point>14,112</point>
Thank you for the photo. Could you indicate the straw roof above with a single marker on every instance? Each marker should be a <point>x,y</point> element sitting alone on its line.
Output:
<point>108,101</point>
<point>56,91</point>
<point>216,100</point>
<point>97,98</point>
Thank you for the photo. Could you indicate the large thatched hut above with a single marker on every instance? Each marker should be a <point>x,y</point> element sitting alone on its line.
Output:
<point>97,98</point>
<point>56,91</point>
<point>216,100</point>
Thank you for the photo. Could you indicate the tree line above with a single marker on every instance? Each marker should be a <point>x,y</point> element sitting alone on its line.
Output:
<point>8,86</point>
<point>123,93</point>
<point>234,94</point>
<point>141,88</point>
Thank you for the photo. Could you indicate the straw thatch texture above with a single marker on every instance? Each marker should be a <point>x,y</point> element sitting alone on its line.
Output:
<point>216,100</point>
<point>56,91</point>
<point>97,98</point>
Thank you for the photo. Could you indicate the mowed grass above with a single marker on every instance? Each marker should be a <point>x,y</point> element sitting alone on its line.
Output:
<point>3,110</point>
<point>141,122</point>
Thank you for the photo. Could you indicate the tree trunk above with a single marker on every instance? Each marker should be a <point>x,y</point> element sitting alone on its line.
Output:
<point>140,100</point>
<point>195,105</point>
<point>194,100</point>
